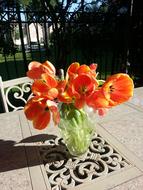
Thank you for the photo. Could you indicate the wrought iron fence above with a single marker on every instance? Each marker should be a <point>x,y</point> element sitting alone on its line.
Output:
<point>24,41</point>
<point>112,41</point>
<point>28,35</point>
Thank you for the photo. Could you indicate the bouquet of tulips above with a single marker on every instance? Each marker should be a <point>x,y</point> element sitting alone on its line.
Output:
<point>72,91</point>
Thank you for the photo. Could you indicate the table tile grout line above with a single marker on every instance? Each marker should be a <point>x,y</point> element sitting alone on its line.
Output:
<point>136,107</point>
<point>127,181</point>
<point>31,169</point>
<point>25,151</point>
<point>42,169</point>
<point>41,164</point>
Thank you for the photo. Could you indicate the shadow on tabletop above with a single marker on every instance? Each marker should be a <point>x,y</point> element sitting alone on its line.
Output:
<point>26,153</point>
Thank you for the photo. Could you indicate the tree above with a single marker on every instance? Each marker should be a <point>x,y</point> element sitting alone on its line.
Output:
<point>80,24</point>
<point>63,16</point>
<point>6,41</point>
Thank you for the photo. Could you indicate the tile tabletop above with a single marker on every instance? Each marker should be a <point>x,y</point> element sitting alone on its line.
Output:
<point>38,160</point>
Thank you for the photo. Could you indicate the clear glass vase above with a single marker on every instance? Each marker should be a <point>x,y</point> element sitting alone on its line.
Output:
<point>76,129</point>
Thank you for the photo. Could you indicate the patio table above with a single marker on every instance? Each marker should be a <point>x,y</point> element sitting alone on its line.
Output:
<point>38,160</point>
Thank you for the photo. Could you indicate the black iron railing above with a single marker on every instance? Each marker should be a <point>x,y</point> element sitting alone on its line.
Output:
<point>29,35</point>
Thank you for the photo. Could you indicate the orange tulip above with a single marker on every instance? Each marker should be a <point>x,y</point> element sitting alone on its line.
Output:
<point>82,86</point>
<point>72,69</point>
<point>83,69</point>
<point>36,69</point>
<point>90,70</point>
<point>97,100</point>
<point>79,87</point>
<point>61,85</point>
<point>118,88</point>
<point>38,110</point>
<point>65,97</point>
<point>45,87</point>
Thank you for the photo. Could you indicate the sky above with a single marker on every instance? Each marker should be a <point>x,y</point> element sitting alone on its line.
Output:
<point>75,5</point>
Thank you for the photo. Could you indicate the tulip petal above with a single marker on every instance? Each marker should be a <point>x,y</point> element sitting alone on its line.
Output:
<point>54,109</point>
<point>102,111</point>
<point>61,85</point>
<point>39,87</point>
<point>50,81</point>
<point>49,67</point>
<point>64,97</point>
<point>83,84</point>
<point>73,68</point>
<point>83,69</point>
<point>35,73</point>
<point>93,66</point>
<point>36,69</point>
<point>79,103</point>
<point>97,100</point>
<point>32,108</point>
<point>33,65</point>
<point>52,93</point>
<point>42,120</point>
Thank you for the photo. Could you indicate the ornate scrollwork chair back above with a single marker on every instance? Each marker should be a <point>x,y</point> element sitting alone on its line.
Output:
<point>15,93</point>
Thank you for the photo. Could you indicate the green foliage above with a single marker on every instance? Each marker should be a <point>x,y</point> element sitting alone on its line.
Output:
<point>6,41</point>
<point>25,3</point>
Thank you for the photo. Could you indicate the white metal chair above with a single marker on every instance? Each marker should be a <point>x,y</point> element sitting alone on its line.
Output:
<point>15,93</point>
